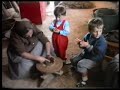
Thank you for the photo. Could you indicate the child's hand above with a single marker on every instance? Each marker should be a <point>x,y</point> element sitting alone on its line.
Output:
<point>56,31</point>
<point>77,40</point>
<point>84,44</point>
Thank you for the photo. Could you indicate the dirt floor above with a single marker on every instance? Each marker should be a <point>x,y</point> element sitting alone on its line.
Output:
<point>78,19</point>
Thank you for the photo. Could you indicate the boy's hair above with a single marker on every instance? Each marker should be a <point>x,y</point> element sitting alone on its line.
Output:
<point>95,22</point>
<point>59,10</point>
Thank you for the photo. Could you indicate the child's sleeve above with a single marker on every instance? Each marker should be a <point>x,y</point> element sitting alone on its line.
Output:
<point>98,51</point>
<point>51,27</point>
<point>85,38</point>
<point>66,30</point>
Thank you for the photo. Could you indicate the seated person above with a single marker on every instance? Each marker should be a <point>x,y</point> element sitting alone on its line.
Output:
<point>28,46</point>
<point>94,48</point>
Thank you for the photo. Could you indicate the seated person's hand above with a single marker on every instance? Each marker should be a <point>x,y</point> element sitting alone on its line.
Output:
<point>77,40</point>
<point>84,44</point>
<point>43,59</point>
<point>49,57</point>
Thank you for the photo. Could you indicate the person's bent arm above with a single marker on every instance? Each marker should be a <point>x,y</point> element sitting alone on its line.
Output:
<point>51,27</point>
<point>34,57</point>
<point>48,46</point>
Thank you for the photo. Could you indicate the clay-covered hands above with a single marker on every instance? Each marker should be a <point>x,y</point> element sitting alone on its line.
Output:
<point>42,59</point>
<point>50,58</point>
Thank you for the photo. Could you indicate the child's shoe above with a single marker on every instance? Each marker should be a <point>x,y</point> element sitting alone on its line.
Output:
<point>67,62</point>
<point>81,84</point>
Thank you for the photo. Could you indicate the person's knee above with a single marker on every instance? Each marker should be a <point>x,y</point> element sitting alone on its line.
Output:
<point>81,63</point>
<point>82,69</point>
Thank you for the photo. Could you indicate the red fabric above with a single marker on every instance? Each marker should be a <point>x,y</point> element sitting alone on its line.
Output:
<point>35,11</point>
<point>60,43</point>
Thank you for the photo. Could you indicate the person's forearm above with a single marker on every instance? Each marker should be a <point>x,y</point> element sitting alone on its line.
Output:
<point>64,33</point>
<point>48,48</point>
<point>30,56</point>
<point>51,28</point>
